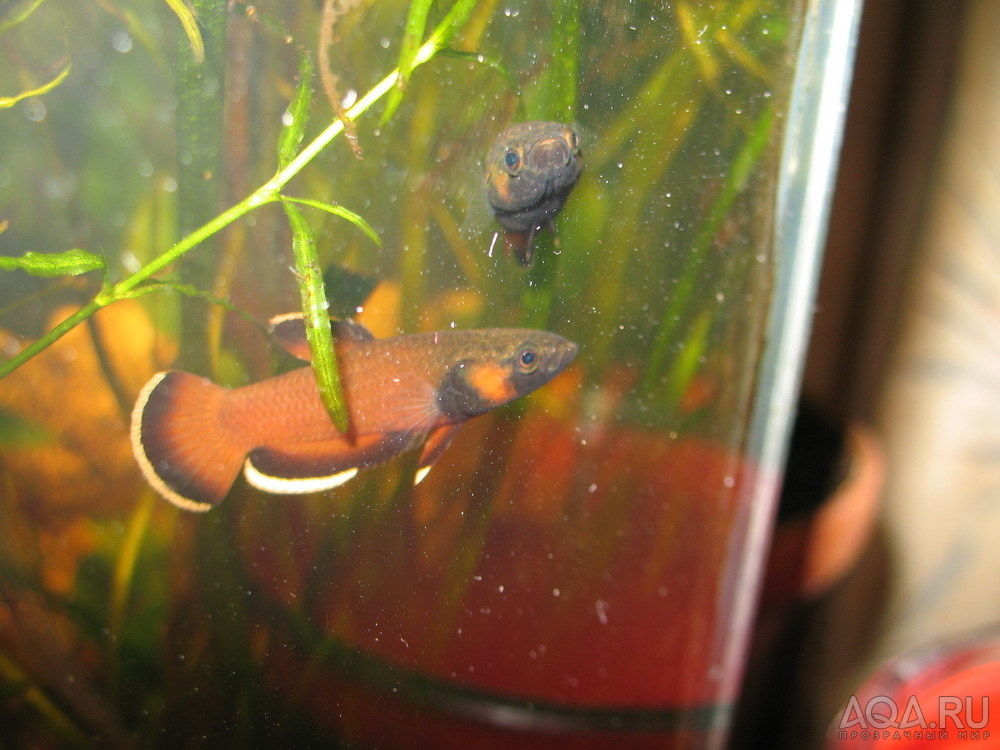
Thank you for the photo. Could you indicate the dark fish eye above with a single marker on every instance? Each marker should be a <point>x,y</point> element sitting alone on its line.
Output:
<point>512,161</point>
<point>527,360</point>
<point>574,140</point>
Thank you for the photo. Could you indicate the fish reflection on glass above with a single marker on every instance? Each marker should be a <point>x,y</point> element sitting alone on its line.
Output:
<point>191,436</point>
<point>530,170</point>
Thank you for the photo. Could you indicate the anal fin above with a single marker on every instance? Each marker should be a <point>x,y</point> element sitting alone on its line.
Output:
<point>300,468</point>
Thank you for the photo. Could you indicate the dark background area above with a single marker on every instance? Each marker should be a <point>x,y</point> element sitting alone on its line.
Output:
<point>810,654</point>
<point>899,102</point>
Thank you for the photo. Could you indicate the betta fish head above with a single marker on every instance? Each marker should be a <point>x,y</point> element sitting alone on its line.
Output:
<point>530,170</point>
<point>499,366</point>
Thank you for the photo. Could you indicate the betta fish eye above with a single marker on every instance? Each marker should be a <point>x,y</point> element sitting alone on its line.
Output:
<point>527,360</point>
<point>574,140</point>
<point>512,160</point>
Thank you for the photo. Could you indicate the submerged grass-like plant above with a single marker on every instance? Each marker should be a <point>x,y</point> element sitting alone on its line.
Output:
<point>77,261</point>
<point>183,613</point>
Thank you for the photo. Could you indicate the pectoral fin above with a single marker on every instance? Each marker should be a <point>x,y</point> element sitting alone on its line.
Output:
<point>438,440</point>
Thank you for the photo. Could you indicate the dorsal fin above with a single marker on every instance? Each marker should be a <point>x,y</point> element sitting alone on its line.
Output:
<point>289,330</point>
<point>349,331</point>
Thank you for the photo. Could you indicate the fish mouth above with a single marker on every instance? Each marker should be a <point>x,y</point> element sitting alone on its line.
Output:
<point>551,153</point>
<point>560,357</point>
<point>558,163</point>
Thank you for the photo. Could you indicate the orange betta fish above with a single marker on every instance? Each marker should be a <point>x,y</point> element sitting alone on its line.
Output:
<point>191,436</point>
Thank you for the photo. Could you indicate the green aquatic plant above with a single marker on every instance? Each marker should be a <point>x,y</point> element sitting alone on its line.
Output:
<point>238,624</point>
<point>77,261</point>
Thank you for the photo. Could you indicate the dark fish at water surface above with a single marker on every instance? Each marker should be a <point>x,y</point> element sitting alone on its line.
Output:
<point>530,170</point>
<point>191,437</point>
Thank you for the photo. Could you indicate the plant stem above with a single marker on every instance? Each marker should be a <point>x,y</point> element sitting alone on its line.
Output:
<point>200,85</point>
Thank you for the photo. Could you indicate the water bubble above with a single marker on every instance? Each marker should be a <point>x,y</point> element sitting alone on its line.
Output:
<point>35,110</point>
<point>129,262</point>
<point>287,118</point>
<point>349,98</point>
<point>9,345</point>
<point>145,168</point>
<point>385,42</point>
<point>59,187</point>
<point>169,185</point>
<point>121,41</point>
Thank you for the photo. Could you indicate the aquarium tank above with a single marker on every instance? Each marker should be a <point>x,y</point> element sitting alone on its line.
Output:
<point>518,491</point>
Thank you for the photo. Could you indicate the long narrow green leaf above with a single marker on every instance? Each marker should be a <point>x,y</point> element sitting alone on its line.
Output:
<point>416,24</point>
<point>565,58</point>
<point>294,127</point>
<point>689,359</point>
<point>67,263</point>
<point>413,54</point>
<point>123,581</point>
<point>200,86</point>
<point>344,213</point>
<point>740,171</point>
<point>316,314</point>
<point>16,431</point>
<point>481,59</point>
<point>9,101</point>
<point>449,27</point>
<point>35,696</point>
<point>157,286</point>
